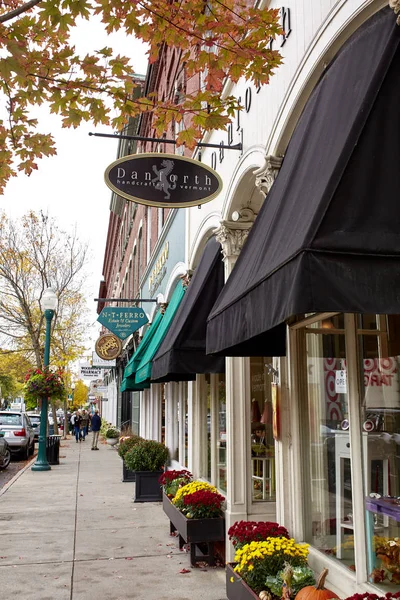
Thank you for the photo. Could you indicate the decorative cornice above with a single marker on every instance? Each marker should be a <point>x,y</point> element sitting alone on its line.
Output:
<point>186,277</point>
<point>266,175</point>
<point>163,307</point>
<point>232,235</point>
<point>395,4</point>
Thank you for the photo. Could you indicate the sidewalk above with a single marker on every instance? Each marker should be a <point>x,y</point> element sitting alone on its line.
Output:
<point>75,533</point>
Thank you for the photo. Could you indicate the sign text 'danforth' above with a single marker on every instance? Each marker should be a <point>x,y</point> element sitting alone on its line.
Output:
<point>164,180</point>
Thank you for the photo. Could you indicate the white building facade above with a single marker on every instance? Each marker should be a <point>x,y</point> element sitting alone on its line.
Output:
<point>265,431</point>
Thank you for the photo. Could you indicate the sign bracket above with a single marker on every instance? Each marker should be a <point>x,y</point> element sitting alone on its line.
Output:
<point>140,138</point>
<point>125,299</point>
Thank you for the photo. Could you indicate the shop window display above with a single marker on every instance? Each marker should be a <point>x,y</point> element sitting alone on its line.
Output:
<point>162,388</point>
<point>207,473</point>
<point>361,399</point>
<point>186,436</point>
<point>221,440</point>
<point>183,433</point>
<point>380,415</point>
<point>262,440</point>
<point>329,522</point>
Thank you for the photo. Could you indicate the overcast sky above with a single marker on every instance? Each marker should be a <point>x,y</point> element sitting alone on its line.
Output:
<point>70,186</point>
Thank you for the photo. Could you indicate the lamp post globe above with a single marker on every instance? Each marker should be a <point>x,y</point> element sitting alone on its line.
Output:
<point>48,305</point>
<point>49,300</point>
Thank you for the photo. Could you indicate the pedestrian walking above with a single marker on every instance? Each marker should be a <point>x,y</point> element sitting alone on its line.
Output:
<point>68,423</point>
<point>84,424</point>
<point>95,424</point>
<point>76,419</point>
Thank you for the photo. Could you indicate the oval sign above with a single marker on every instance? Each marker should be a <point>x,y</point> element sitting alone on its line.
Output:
<point>108,346</point>
<point>163,180</point>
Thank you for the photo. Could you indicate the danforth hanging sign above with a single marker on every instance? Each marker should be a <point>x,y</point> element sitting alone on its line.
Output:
<point>163,180</point>
<point>122,321</point>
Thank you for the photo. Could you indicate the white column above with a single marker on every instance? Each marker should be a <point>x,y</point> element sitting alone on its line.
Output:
<point>232,236</point>
<point>171,419</point>
<point>155,412</point>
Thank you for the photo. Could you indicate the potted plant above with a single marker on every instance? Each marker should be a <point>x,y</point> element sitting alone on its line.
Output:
<point>125,444</point>
<point>147,459</point>
<point>196,512</point>
<point>260,564</point>
<point>112,436</point>
<point>172,480</point>
<point>244,532</point>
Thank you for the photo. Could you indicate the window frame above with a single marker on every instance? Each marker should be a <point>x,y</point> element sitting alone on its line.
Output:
<point>298,385</point>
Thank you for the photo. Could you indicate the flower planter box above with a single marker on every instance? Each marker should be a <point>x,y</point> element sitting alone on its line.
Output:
<point>147,488</point>
<point>236,588</point>
<point>195,532</point>
<point>127,474</point>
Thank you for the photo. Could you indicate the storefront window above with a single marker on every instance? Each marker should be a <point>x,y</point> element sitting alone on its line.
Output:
<point>363,400</point>
<point>135,412</point>
<point>262,440</point>
<point>221,440</point>
<point>380,415</point>
<point>207,424</point>
<point>325,441</point>
<point>162,389</point>
<point>185,410</point>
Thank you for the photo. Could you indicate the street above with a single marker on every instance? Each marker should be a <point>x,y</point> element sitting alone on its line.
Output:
<point>13,468</point>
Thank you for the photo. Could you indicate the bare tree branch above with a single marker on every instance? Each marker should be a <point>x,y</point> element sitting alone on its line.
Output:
<point>18,11</point>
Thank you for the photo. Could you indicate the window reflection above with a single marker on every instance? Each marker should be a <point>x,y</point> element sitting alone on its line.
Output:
<point>327,447</point>
<point>221,440</point>
<point>380,415</point>
<point>262,440</point>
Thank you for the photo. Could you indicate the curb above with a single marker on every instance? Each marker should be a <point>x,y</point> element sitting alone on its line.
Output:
<point>17,476</point>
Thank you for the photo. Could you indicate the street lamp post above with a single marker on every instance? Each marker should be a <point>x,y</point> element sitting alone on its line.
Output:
<point>49,303</point>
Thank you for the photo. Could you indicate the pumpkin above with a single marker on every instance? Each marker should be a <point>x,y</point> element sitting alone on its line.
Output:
<point>265,595</point>
<point>317,592</point>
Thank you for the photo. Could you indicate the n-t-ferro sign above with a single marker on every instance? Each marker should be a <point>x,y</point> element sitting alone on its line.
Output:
<point>122,321</point>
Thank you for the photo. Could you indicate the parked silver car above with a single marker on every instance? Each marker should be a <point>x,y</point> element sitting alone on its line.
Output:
<point>5,454</point>
<point>35,422</point>
<point>18,432</point>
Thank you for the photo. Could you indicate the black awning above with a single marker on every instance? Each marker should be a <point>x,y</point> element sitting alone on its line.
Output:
<point>327,238</point>
<point>183,351</point>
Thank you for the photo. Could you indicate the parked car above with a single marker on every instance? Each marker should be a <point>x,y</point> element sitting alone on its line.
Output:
<point>35,422</point>
<point>18,432</point>
<point>5,454</point>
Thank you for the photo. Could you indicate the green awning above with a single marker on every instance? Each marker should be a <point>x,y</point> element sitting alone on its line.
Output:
<point>143,372</point>
<point>136,358</point>
<point>128,383</point>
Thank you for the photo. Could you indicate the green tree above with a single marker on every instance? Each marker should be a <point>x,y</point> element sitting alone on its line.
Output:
<point>80,395</point>
<point>12,371</point>
<point>215,39</point>
<point>36,254</point>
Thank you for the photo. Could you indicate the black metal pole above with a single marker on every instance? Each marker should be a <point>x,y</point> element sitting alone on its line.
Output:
<point>140,138</point>
<point>41,463</point>
<point>125,300</point>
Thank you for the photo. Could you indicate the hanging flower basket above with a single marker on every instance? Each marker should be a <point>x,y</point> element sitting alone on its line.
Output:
<point>44,384</point>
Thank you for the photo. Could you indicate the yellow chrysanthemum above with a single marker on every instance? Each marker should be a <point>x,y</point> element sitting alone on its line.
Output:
<point>271,548</point>
<point>193,486</point>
